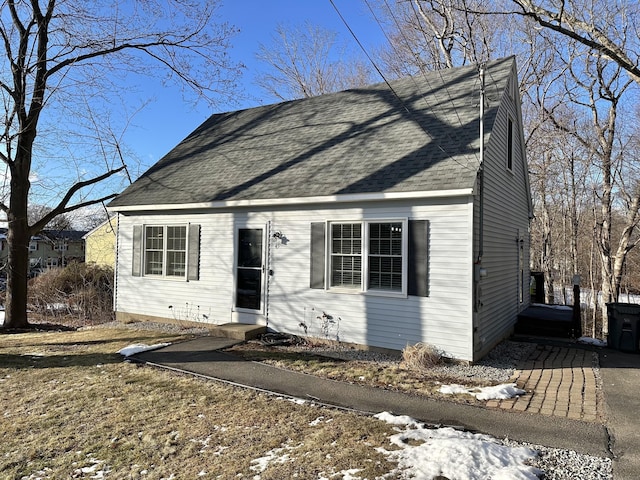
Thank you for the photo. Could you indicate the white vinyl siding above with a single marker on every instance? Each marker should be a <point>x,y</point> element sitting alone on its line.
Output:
<point>443,318</point>
<point>504,291</point>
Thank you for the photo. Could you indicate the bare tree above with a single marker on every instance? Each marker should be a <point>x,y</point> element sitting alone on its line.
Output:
<point>306,61</point>
<point>599,88</point>
<point>66,58</point>
<point>427,35</point>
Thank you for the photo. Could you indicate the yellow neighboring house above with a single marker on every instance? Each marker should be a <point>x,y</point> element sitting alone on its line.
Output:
<point>100,243</point>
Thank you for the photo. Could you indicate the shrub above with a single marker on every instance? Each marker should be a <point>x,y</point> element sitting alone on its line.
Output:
<point>79,289</point>
<point>421,356</point>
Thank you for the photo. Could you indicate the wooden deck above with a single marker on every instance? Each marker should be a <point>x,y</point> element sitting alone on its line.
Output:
<point>546,321</point>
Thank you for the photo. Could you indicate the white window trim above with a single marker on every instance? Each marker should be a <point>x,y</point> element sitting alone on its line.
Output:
<point>164,275</point>
<point>365,258</point>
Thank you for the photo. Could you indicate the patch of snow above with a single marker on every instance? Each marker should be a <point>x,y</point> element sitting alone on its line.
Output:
<point>496,392</point>
<point>554,307</point>
<point>137,348</point>
<point>272,456</point>
<point>592,341</point>
<point>342,475</point>
<point>392,419</point>
<point>316,422</point>
<point>92,470</point>
<point>446,452</point>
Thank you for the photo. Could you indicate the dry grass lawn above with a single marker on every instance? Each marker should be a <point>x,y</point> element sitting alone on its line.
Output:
<point>72,408</point>
<point>390,375</point>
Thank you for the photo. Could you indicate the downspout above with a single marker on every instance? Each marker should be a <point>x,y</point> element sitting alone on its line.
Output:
<point>116,268</point>
<point>481,171</point>
<point>477,267</point>
<point>267,274</point>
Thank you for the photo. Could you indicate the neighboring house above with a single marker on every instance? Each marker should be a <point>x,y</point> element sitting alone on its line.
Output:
<point>368,216</point>
<point>100,243</point>
<point>49,248</point>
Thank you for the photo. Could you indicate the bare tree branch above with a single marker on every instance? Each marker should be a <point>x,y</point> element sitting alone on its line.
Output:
<point>586,33</point>
<point>62,205</point>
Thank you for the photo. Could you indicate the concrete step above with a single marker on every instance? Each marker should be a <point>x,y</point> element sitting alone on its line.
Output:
<point>238,331</point>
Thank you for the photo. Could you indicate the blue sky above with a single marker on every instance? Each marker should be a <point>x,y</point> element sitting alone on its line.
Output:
<point>168,119</point>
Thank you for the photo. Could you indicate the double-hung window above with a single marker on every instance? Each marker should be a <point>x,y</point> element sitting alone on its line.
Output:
<point>368,256</point>
<point>385,256</point>
<point>346,255</point>
<point>165,250</point>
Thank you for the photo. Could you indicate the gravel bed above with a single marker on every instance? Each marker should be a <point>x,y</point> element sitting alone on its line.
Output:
<point>560,464</point>
<point>154,326</point>
<point>498,366</point>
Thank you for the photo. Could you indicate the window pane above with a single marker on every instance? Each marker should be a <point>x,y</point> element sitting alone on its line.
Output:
<point>154,244</point>
<point>250,247</point>
<point>176,251</point>
<point>153,263</point>
<point>385,256</point>
<point>248,291</point>
<point>177,238</point>
<point>346,272</point>
<point>346,250</point>
<point>346,239</point>
<point>176,263</point>
<point>154,238</point>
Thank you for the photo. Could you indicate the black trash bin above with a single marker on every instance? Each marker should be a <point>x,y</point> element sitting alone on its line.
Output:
<point>624,326</point>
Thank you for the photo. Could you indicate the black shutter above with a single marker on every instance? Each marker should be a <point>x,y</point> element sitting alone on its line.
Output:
<point>193,262</point>
<point>317,254</point>
<point>136,268</point>
<point>418,258</point>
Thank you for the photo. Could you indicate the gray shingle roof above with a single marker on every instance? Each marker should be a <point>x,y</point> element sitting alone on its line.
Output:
<point>420,136</point>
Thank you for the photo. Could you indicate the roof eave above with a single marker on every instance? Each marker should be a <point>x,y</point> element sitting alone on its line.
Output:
<point>265,202</point>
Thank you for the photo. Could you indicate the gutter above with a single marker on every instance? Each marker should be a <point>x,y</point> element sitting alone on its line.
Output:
<point>262,202</point>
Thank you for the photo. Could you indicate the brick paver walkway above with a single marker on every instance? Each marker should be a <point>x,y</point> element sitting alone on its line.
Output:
<point>559,381</point>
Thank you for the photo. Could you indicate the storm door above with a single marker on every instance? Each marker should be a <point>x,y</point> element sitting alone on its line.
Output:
<point>250,269</point>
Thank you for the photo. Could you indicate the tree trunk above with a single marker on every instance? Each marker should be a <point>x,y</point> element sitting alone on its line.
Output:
<point>609,293</point>
<point>547,253</point>
<point>16,307</point>
<point>18,239</point>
